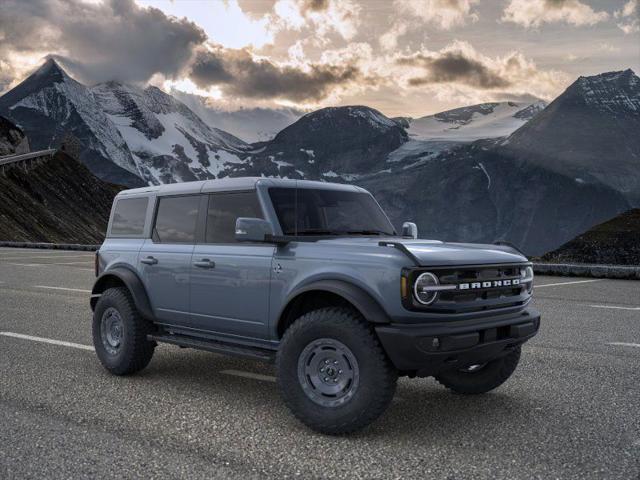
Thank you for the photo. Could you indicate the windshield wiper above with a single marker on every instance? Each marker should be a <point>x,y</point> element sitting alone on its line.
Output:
<point>317,231</point>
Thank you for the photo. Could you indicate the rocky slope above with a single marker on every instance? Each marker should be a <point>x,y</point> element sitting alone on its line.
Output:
<point>615,242</point>
<point>57,201</point>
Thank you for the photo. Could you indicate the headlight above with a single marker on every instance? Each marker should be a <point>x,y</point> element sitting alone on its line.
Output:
<point>423,288</point>
<point>526,277</point>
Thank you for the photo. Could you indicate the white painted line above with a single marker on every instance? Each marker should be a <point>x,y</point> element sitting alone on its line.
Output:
<point>63,288</point>
<point>29,257</point>
<point>614,307</point>
<point>254,376</point>
<point>566,283</point>
<point>47,340</point>
<point>623,344</point>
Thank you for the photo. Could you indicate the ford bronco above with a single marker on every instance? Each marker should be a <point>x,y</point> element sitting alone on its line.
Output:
<point>311,276</point>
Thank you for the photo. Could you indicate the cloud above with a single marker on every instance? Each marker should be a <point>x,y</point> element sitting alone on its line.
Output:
<point>322,17</point>
<point>459,71</point>
<point>389,39</point>
<point>533,13</point>
<point>112,40</point>
<point>444,14</point>
<point>239,73</point>
<point>626,24</point>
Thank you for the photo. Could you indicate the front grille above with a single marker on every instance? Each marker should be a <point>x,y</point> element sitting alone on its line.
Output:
<point>475,299</point>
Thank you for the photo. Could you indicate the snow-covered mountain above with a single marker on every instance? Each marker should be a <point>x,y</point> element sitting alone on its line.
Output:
<point>476,122</point>
<point>129,135</point>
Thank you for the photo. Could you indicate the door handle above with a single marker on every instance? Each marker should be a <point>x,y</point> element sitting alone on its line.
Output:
<point>205,263</point>
<point>149,261</point>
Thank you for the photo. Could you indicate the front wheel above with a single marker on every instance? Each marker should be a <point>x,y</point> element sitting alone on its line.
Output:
<point>481,378</point>
<point>120,333</point>
<point>332,372</point>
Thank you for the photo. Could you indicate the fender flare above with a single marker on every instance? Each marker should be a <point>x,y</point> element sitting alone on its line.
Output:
<point>369,307</point>
<point>133,284</point>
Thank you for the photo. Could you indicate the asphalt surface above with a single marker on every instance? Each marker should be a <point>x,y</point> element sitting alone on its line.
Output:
<point>571,410</point>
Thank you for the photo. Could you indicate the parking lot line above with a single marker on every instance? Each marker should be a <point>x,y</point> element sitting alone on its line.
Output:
<point>62,288</point>
<point>254,376</point>
<point>47,340</point>
<point>614,307</point>
<point>29,257</point>
<point>624,344</point>
<point>567,283</point>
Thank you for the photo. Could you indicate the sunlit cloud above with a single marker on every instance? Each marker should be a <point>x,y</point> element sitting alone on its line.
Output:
<point>628,17</point>
<point>533,13</point>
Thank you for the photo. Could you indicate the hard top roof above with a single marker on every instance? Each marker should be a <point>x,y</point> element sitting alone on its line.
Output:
<point>230,184</point>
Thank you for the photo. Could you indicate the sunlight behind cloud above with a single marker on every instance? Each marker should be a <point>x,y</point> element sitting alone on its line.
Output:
<point>223,22</point>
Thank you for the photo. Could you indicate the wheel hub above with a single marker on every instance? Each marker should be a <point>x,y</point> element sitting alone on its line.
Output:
<point>111,330</point>
<point>328,372</point>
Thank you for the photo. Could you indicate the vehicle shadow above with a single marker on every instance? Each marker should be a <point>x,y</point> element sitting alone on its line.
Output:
<point>421,408</point>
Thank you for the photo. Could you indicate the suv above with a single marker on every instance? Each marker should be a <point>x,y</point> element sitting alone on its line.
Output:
<point>311,276</point>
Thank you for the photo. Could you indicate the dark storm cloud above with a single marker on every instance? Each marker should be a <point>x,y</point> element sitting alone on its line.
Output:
<point>114,40</point>
<point>453,66</point>
<point>238,73</point>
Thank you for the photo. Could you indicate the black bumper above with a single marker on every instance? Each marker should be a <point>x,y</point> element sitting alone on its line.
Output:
<point>427,349</point>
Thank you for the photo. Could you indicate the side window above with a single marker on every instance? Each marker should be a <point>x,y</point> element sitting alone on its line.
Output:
<point>176,219</point>
<point>128,217</point>
<point>224,210</point>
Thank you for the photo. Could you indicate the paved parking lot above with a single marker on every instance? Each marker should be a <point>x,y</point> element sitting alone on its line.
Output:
<point>571,410</point>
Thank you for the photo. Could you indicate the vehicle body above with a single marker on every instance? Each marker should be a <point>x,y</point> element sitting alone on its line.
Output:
<point>233,266</point>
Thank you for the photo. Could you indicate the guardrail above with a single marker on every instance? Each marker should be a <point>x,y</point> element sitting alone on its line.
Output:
<point>588,270</point>
<point>50,246</point>
<point>25,157</point>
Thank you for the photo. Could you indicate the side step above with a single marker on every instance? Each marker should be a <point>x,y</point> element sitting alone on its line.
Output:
<point>216,347</point>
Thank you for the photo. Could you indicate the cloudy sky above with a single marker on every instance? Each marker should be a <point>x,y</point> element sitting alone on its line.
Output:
<point>404,57</point>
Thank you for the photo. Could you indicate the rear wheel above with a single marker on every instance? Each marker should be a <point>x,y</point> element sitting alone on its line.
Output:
<point>332,372</point>
<point>120,333</point>
<point>483,377</point>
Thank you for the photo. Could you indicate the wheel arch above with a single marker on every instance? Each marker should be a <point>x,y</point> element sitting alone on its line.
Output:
<point>123,277</point>
<point>329,293</point>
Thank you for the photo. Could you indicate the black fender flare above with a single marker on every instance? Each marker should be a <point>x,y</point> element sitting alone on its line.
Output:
<point>131,281</point>
<point>369,307</point>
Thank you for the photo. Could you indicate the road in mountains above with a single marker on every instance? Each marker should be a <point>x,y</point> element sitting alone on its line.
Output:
<point>570,410</point>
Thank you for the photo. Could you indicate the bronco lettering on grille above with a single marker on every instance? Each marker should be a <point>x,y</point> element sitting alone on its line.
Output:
<point>490,284</point>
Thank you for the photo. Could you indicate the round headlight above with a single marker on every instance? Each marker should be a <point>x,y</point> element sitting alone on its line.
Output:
<point>421,288</point>
<point>526,277</point>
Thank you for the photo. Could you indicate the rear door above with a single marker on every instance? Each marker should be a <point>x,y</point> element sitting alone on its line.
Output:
<point>165,258</point>
<point>230,280</point>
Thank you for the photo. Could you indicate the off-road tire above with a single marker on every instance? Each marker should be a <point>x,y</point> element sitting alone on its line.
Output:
<point>135,351</point>
<point>490,376</point>
<point>377,376</point>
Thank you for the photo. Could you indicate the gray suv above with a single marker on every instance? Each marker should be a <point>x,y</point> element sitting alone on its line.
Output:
<point>311,276</point>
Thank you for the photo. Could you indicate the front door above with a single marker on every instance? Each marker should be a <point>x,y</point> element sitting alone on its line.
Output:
<point>165,259</point>
<point>230,281</point>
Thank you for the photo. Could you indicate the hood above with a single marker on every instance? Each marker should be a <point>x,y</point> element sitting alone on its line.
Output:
<point>434,253</point>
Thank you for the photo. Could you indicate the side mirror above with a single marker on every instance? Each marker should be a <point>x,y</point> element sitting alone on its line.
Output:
<point>410,230</point>
<point>252,229</point>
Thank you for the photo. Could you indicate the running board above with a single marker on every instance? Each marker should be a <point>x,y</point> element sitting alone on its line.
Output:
<point>216,347</point>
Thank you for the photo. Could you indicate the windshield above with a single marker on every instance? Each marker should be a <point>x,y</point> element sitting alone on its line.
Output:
<point>328,212</point>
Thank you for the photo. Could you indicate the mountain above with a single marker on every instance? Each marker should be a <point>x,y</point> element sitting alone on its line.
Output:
<point>49,105</point>
<point>169,143</point>
<point>614,242</point>
<point>250,124</point>
<point>129,135</point>
<point>590,133</point>
<point>330,143</point>
<point>466,124</point>
<point>574,165</point>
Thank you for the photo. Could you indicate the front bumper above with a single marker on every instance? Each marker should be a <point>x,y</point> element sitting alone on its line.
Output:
<point>427,349</point>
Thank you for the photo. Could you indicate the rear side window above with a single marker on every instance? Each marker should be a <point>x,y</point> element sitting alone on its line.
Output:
<point>176,219</point>
<point>128,217</point>
<point>224,210</point>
